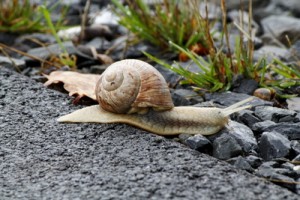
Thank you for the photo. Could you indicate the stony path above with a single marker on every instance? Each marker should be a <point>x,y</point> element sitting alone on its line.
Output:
<point>41,159</point>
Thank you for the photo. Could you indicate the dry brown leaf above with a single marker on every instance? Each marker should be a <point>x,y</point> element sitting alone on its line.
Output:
<point>75,83</point>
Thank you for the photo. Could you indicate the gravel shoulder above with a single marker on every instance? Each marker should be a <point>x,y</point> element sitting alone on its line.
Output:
<point>42,159</point>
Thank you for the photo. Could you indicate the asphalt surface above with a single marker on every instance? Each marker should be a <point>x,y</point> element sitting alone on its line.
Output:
<point>42,159</point>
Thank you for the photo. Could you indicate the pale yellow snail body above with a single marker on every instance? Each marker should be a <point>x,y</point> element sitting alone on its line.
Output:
<point>135,93</point>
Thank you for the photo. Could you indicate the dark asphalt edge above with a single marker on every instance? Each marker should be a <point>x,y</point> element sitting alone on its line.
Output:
<point>41,159</point>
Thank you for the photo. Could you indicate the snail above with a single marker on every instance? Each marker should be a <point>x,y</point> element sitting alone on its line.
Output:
<point>150,106</point>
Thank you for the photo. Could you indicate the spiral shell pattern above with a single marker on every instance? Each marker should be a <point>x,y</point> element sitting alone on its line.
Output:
<point>131,86</point>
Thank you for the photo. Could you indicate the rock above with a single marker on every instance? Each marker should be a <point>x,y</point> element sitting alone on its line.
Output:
<point>262,126</point>
<point>289,5</point>
<point>183,137</point>
<point>106,16</point>
<point>254,161</point>
<point>226,146</point>
<point>235,17</point>
<point>273,113</point>
<point>179,100</point>
<point>269,52</point>
<point>287,172</point>
<point>54,49</point>
<point>28,39</point>
<point>290,130</point>
<point>12,63</point>
<point>99,43</point>
<point>273,145</point>
<point>297,188</point>
<point>296,159</point>
<point>294,52</point>
<point>270,164</point>
<point>233,4</point>
<point>246,86</point>
<point>294,103</point>
<point>97,69</point>
<point>189,95</point>
<point>171,77</point>
<point>190,65</point>
<point>247,117</point>
<point>69,33</point>
<point>8,38</point>
<point>199,142</point>
<point>295,148</point>
<point>241,163</point>
<point>98,30</point>
<point>243,135</point>
<point>213,11</point>
<point>281,27</point>
<point>229,98</point>
<point>279,179</point>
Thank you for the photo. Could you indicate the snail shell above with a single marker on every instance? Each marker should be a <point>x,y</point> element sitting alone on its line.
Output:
<point>132,86</point>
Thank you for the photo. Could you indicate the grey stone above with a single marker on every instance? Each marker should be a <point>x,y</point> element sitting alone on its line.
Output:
<point>213,11</point>
<point>295,147</point>
<point>235,16</point>
<point>293,103</point>
<point>269,52</point>
<point>290,5</point>
<point>297,158</point>
<point>199,142</point>
<point>226,146</point>
<point>287,172</point>
<point>189,95</point>
<point>44,159</point>
<point>54,49</point>
<point>281,27</point>
<point>247,117</point>
<point>28,39</point>
<point>273,145</point>
<point>290,130</point>
<point>229,98</point>
<point>179,100</point>
<point>294,52</point>
<point>241,163</point>
<point>246,86</point>
<point>12,63</point>
<point>254,161</point>
<point>233,4</point>
<point>171,77</point>
<point>262,126</point>
<point>271,175</point>
<point>273,113</point>
<point>243,135</point>
<point>297,189</point>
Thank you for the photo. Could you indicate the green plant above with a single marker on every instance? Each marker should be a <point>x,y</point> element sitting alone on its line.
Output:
<point>217,70</point>
<point>285,76</point>
<point>64,58</point>
<point>170,20</point>
<point>21,16</point>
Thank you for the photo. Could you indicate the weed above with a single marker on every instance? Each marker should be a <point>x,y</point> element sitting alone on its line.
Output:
<point>218,69</point>
<point>171,20</point>
<point>64,58</point>
<point>19,16</point>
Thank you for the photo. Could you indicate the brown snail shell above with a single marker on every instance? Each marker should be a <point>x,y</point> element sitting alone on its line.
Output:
<point>132,86</point>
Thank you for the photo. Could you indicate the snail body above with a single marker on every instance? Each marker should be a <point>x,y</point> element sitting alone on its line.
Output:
<point>146,110</point>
